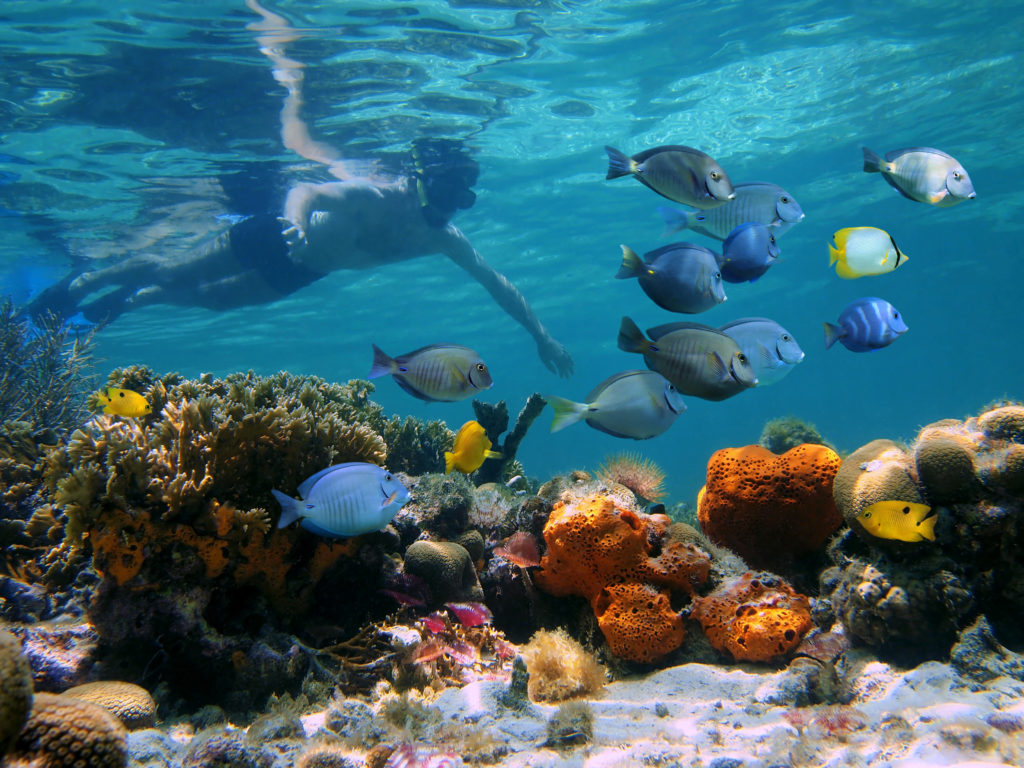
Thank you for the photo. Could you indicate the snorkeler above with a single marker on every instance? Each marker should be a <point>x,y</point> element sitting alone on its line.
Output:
<point>358,222</point>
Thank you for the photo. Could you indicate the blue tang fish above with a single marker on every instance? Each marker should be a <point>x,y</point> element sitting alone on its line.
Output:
<point>866,324</point>
<point>344,500</point>
<point>747,253</point>
<point>681,277</point>
<point>756,201</point>
<point>770,348</point>
<point>631,404</point>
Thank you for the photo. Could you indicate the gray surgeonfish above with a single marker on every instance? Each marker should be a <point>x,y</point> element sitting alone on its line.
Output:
<point>438,373</point>
<point>756,201</point>
<point>683,174</point>
<point>700,360</point>
<point>924,174</point>
<point>344,500</point>
<point>631,404</point>
<point>770,348</point>
<point>681,277</point>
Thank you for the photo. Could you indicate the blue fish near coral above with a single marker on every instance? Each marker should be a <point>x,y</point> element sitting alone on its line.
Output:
<point>747,253</point>
<point>866,324</point>
<point>344,500</point>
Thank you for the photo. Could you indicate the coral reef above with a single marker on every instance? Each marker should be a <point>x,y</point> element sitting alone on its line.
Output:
<point>60,654</point>
<point>219,746</point>
<point>978,657</point>
<point>15,690</point>
<point>621,562</point>
<point>560,668</point>
<point>641,475</point>
<point>414,447</point>
<point>494,420</point>
<point>756,617</point>
<point>909,599</point>
<point>787,432</point>
<point>770,510</point>
<point>131,704</point>
<point>446,567</point>
<point>63,732</point>
<point>440,505</point>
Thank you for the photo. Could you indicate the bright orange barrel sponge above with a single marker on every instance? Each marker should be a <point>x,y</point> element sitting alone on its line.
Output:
<point>770,509</point>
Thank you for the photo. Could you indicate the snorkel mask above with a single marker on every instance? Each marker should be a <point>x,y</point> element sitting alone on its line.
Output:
<point>445,174</point>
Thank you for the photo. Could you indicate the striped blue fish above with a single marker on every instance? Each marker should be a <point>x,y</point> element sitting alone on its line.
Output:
<point>344,500</point>
<point>438,373</point>
<point>866,324</point>
<point>755,201</point>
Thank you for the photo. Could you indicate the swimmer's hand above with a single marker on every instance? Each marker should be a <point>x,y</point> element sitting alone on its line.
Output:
<point>555,357</point>
<point>294,234</point>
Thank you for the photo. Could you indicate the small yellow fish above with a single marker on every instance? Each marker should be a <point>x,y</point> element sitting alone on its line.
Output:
<point>123,402</point>
<point>899,520</point>
<point>470,449</point>
<point>860,251</point>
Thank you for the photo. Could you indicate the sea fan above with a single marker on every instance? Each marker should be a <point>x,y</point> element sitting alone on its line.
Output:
<point>641,475</point>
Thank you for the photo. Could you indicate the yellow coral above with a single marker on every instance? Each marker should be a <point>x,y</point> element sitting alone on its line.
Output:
<point>131,704</point>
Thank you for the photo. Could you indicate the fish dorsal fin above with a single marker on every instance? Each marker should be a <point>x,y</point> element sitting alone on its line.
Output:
<point>658,331</point>
<point>430,348</point>
<point>596,391</point>
<point>307,485</point>
<point>744,321</point>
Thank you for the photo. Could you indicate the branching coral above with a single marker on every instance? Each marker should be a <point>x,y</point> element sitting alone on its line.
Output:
<point>494,419</point>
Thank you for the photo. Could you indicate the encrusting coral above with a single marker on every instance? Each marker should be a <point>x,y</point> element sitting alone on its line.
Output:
<point>769,509</point>
<point>131,704</point>
<point>622,562</point>
<point>560,668</point>
<point>15,690</point>
<point>756,617</point>
<point>64,732</point>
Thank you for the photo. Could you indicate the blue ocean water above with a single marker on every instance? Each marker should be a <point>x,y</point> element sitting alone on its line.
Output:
<point>120,123</point>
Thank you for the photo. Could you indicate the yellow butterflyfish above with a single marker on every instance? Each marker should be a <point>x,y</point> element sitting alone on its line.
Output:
<point>861,251</point>
<point>471,448</point>
<point>123,402</point>
<point>899,520</point>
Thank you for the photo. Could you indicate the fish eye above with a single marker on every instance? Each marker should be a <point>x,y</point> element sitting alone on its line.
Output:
<point>784,200</point>
<point>388,477</point>
<point>786,337</point>
<point>742,358</point>
<point>956,175</point>
<point>481,367</point>
<point>718,275</point>
<point>867,515</point>
<point>715,175</point>
<point>895,314</point>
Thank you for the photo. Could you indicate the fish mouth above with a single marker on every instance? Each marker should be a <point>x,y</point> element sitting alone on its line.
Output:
<point>972,195</point>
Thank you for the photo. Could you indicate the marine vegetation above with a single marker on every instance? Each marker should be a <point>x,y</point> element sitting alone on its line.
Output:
<point>623,563</point>
<point>785,432</point>
<point>572,724</point>
<point>909,599</point>
<point>494,419</point>
<point>638,473</point>
<point>174,512</point>
<point>560,668</point>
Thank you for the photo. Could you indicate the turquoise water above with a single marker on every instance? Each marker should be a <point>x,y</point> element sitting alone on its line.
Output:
<point>118,120</point>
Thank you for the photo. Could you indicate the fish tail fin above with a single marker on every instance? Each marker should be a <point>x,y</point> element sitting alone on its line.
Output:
<point>618,163</point>
<point>833,254</point>
<point>927,527</point>
<point>832,334</point>
<point>449,462</point>
<point>872,162</point>
<point>494,455</point>
<point>566,412</point>
<point>632,265</point>
<point>675,219</point>
<point>289,508</point>
<point>631,338</point>
<point>383,364</point>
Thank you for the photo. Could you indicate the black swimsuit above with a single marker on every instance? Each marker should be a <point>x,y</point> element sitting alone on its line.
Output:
<point>258,244</point>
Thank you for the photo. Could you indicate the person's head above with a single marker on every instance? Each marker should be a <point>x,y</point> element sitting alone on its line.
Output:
<point>445,174</point>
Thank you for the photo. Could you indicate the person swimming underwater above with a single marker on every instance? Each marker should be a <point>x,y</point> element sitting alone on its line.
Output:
<point>357,222</point>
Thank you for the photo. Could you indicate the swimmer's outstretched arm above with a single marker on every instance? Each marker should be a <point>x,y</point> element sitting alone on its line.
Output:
<point>456,247</point>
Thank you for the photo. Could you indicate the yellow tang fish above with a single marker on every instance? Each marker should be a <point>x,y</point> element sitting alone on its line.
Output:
<point>860,251</point>
<point>899,520</point>
<point>470,449</point>
<point>123,402</point>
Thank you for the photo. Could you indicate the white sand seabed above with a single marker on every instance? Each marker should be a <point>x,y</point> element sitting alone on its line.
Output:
<point>715,717</point>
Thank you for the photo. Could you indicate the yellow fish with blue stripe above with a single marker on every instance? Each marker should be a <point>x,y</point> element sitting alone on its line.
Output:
<point>471,448</point>
<point>123,402</point>
<point>899,520</point>
<point>860,251</point>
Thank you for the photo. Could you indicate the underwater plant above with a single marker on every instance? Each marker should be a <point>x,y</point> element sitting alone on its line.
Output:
<point>638,473</point>
<point>560,668</point>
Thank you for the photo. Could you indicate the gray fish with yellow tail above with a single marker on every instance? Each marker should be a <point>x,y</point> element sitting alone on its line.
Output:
<point>681,277</point>
<point>631,404</point>
<point>923,174</point>
<point>756,201</point>
<point>438,373</point>
<point>683,174</point>
<point>344,500</point>
<point>899,520</point>
<point>699,360</point>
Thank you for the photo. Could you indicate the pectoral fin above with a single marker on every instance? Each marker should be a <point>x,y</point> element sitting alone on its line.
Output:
<point>388,501</point>
<point>493,455</point>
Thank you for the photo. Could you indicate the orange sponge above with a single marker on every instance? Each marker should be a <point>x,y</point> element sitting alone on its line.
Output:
<point>770,509</point>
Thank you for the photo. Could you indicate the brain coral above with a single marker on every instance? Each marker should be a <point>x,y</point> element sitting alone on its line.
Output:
<point>129,703</point>
<point>756,617</point>
<point>63,732</point>
<point>770,509</point>
<point>623,564</point>
<point>15,689</point>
